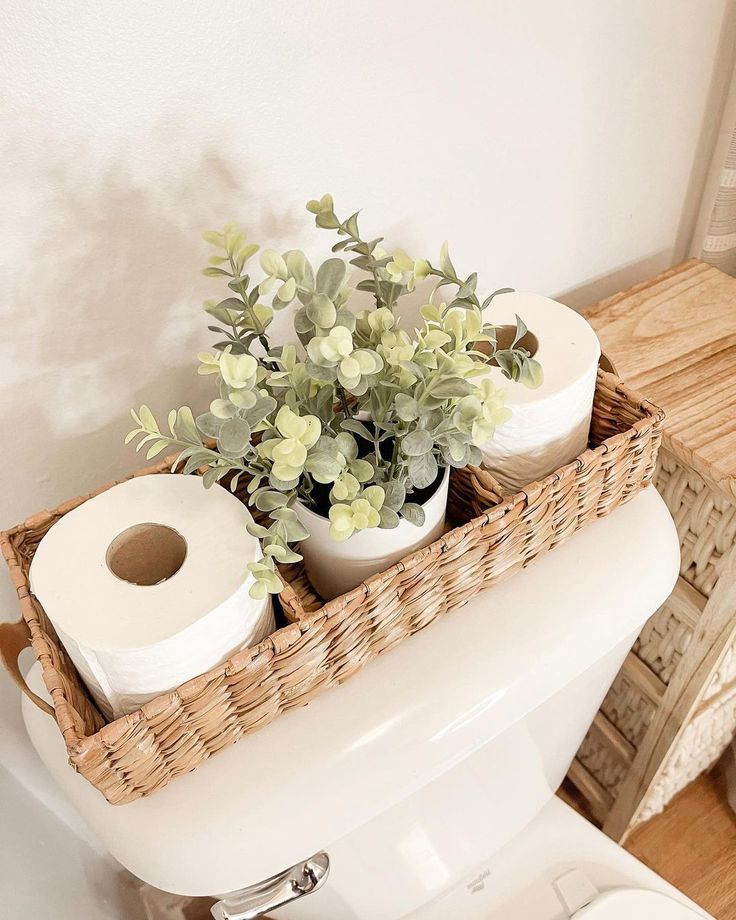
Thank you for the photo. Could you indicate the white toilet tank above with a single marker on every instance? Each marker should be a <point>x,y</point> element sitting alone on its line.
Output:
<point>426,762</point>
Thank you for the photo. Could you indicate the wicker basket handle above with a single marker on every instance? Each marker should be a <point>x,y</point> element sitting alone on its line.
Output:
<point>14,637</point>
<point>606,364</point>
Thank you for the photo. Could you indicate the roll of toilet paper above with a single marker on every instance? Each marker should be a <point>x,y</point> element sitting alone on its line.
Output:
<point>549,425</point>
<point>147,586</point>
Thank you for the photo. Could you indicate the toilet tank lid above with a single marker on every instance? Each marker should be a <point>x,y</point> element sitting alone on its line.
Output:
<point>318,772</point>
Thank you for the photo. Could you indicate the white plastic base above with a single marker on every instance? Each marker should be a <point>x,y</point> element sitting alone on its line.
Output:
<point>635,904</point>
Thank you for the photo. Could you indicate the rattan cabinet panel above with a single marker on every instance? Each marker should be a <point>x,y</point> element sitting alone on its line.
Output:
<point>674,702</point>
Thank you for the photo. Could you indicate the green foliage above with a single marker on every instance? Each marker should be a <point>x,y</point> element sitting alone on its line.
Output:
<point>356,402</point>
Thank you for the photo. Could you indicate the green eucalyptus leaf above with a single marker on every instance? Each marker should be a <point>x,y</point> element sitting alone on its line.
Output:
<point>417,442</point>
<point>294,528</point>
<point>209,425</point>
<point>347,445</point>
<point>212,475</point>
<point>389,518</point>
<point>361,261</point>
<point>273,263</point>
<point>521,330</point>
<point>356,426</point>
<point>234,435</point>
<point>456,457</point>
<point>331,277</point>
<point>345,318</point>
<point>196,460</point>
<point>505,360</point>
<point>258,590</point>
<point>327,220</point>
<point>474,455</point>
<point>323,467</point>
<point>359,388</point>
<point>155,449</point>
<point>284,513</point>
<point>446,262</point>
<point>532,375</point>
<point>303,325</point>
<point>257,530</point>
<point>415,369</point>
<point>423,470</point>
<point>432,418</point>
<point>221,311</point>
<point>186,427</point>
<point>352,225</point>
<point>281,553</point>
<point>467,288</point>
<point>395,495</point>
<point>413,513</point>
<point>327,443</point>
<point>453,387</point>
<point>146,419</point>
<point>264,406</point>
<point>361,469</point>
<point>487,301</point>
<point>321,311</point>
<point>282,485</point>
<point>317,372</point>
<point>273,583</point>
<point>406,407</point>
<point>268,500</point>
<point>254,483</point>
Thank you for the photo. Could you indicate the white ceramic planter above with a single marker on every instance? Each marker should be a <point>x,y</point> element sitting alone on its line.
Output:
<point>335,567</point>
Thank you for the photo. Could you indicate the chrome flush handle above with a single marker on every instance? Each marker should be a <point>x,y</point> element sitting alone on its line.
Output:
<point>289,885</point>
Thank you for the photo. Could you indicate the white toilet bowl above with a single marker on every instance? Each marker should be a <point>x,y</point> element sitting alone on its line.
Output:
<point>560,866</point>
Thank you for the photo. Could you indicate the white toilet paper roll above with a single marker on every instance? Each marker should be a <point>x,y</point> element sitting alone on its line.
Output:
<point>549,426</point>
<point>147,586</point>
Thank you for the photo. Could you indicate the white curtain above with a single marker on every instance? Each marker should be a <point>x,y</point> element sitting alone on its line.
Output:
<point>714,239</point>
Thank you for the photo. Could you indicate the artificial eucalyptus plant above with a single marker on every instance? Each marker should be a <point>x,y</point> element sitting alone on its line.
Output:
<point>361,413</point>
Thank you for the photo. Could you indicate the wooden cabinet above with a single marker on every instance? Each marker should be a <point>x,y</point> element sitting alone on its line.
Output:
<point>672,709</point>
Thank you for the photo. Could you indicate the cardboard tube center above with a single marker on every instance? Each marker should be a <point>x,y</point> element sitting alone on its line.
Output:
<point>146,554</point>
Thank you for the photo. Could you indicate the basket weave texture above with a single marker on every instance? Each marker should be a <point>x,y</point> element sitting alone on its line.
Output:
<point>706,525</point>
<point>323,644</point>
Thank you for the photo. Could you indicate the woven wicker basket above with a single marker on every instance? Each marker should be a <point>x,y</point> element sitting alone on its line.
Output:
<point>323,644</point>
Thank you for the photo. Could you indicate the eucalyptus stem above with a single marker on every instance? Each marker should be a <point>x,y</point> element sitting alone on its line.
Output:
<point>257,327</point>
<point>372,262</point>
<point>343,399</point>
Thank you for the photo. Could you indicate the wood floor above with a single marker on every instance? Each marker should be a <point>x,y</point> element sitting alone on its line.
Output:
<point>692,844</point>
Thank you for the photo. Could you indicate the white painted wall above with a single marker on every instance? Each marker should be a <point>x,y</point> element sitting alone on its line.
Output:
<point>552,143</point>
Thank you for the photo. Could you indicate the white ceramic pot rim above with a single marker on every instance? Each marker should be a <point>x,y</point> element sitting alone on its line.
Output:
<point>337,566</point>
<point>319,524</point>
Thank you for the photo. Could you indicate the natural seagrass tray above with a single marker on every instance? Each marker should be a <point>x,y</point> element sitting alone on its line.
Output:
<point>323,644</point>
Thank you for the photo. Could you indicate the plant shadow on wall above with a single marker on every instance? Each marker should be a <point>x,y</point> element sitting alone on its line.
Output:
<point>96,291</point>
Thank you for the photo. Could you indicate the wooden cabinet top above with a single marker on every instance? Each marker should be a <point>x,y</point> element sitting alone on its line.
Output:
<point>673,338</point>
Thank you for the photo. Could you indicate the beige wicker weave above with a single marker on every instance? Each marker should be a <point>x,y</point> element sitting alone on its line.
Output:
<point>644,696</point>
<point>325,644</point>
<point>672,709</point>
